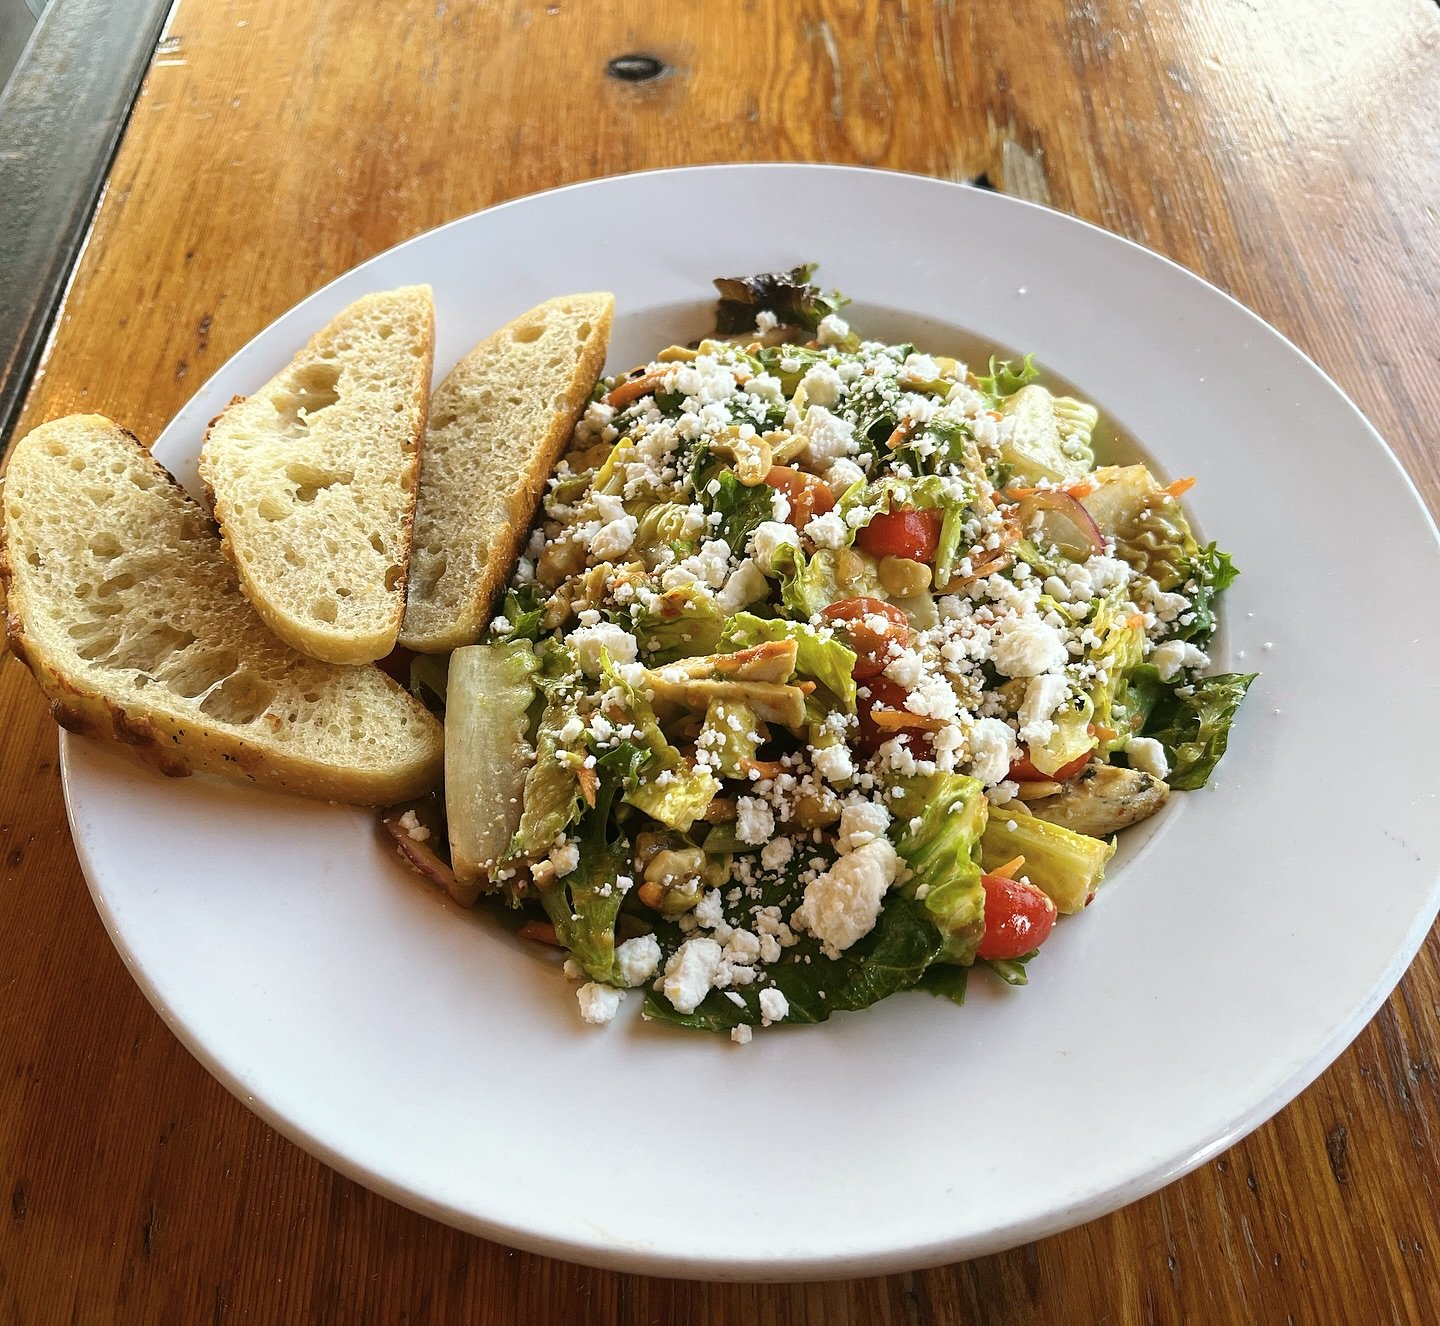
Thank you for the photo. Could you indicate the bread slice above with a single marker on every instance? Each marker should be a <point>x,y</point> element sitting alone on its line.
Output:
<point>120,601</point>
<point>313,478</point>
<point>498,424</point>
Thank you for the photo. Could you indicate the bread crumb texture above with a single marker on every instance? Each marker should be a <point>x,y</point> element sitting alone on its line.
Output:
<point>314,477</point>
<point>122,603</point>
<point>498,424</point>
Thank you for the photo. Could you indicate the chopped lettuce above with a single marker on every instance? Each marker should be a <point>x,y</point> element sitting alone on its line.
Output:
<point>892,957</point>
<point>1005,379</point>
<point>1212,571</point>
<point>552,801</point>
<point>741,509</point>
<point>818,654</point>
<point>682,623</point>
<point>584,904</point>
<point>1066,865</point>
<point>732,735</point>
<point>1195,728</point>
<point>523,608</point>
<point>428,679</point>
<point>942,851</point>
<point>809,585</point>
<point>488,698</point>
<point>1036,448</point>
<point>790,296</point>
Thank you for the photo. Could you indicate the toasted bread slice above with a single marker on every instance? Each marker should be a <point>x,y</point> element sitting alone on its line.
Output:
<point>313,478</point>
<point>122,604</point>
<point>498,424</point>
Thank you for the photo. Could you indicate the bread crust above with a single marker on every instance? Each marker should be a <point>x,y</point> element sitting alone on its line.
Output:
<point>177,743</point>
<point>480,371</point>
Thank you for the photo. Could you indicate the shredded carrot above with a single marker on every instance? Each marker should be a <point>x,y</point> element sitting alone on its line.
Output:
<point>1010,869</point>
<point>589,784</point>
<point>1014,494</point>
<point>1102,732</point>
<point>765,768</point>
<point>1136,619</point>
<point>807,686</point>
<point>1079,490</point>
<point>995,415</point>
<point>1180,486</point>
<point>628,392</point>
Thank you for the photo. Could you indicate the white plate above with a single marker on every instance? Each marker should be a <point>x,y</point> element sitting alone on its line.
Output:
<point>422,1051</point>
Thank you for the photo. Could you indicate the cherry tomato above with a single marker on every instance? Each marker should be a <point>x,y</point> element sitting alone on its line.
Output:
<point>903,533</point>
<point>1022,771</point>
<point>808,495</point>
<point>887,694</point>
<point>1018,918</point>
<point>871,643</point>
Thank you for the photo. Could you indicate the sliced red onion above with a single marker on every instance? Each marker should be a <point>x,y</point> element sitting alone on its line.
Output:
<point>424,861</point>
<point>1055,508</point>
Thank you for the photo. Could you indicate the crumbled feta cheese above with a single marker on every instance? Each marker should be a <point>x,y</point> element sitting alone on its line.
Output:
<point>773,1006</point>
<point>841,904</point>
<point>766,388</point>
<point>834,763</point>
<point>827,436</point>
<point>828,531</point>
<point>1043,696</point>
<point>907,669</point>
<point>822,385</point>
<point>413,828</point>
<point>614,539</point>
<point>776,853</point>
<point>919,368</point>
<point>501,625</point>
<point>636,959</point>
<point>565,857</point>
<point>1174,655</point>
<point>1147,755</point>
<point>992,751</point>
<point>741,1035</point>
<point>573,970</point>
<point>832,330</point>
<point>860,824</point>
<point>689,972</point>
<point>571,730</point>
<point>588,641</point>
<point>766,321</point>
<point>754,820</point>
<point>841,473</point>
<point>598,1003</point>
<point>746,584</point>
<point>1026,646</point>
<point>769,537</point>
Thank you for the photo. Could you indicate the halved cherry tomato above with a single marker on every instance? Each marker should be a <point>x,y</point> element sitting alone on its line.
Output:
<point>1022,771</point>
<point>808,495</point>
<point>903,533</point>
<point>887,694</point>
<point>1018,918</point>
<point>871,643</point>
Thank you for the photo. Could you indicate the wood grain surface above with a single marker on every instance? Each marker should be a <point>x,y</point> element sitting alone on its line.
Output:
<point>1286,150</point>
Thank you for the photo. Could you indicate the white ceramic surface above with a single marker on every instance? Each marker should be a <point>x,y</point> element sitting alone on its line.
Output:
<point>422,1051</point>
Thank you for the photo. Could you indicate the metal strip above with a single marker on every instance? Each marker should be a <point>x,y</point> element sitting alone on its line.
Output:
<point>61,118</point>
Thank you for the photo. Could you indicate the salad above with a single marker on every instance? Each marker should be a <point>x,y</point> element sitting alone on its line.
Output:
<point>831,669</point>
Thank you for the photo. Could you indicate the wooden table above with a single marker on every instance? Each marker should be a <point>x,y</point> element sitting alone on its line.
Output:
<point>1286,150</point>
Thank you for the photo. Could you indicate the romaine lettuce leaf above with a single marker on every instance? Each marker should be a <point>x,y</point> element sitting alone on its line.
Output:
<point>741,509</point>
<point>940,818</point>
<point>1005,378</point>
<point>892,957</point>
<point>1195,728</point>
<point>552,800</point>
<point>1212,571</point>
<point>682,623</point>
<point>583,906</point>
<point>818,654</point>
<point>524,608</point>
<point>1067,866</point>
<point>809,585</point>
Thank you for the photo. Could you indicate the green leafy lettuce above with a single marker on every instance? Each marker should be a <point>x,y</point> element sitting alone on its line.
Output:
<point>741,509</point>
<point>1194,729</point>
<point>790,296</point>
<point>941,817</point>
<point>1066,865</point>
<point>818,654</point>
<point>584,905</point>
<point>1005,379</point>
<point>1212,571</point>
